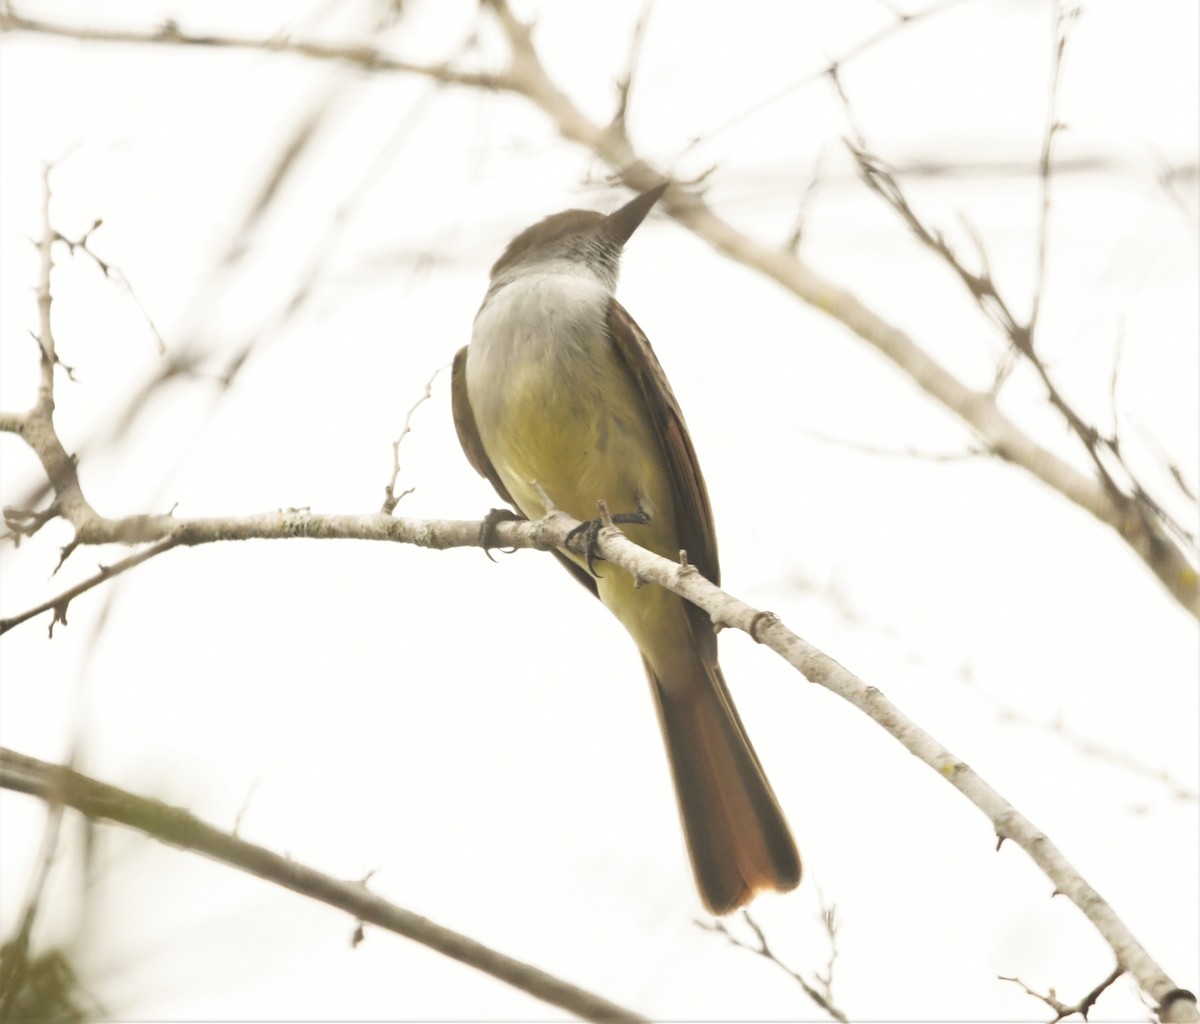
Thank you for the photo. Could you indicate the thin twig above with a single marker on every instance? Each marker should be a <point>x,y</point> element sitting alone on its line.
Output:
<point>60,602</point>
<point>884,451</point>
<point>900,22</point>
<point>829,920</point>
<point>761,947</point>
<point>1061,22</point>
<point>1061,1009</point>
<point>796,234</point>
<point>391,498</point>
<point>625,82</point>
<point>170,34</point>
<point>115,274</point>
<point>1101,752</point>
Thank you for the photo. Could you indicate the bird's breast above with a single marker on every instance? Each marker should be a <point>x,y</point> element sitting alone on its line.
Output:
<point>555,403</point>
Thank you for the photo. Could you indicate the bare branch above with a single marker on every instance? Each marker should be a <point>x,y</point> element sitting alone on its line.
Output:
<point>177,827</point>
<point>14,963</point>
<point>61,602</point>
<point>625,82</point>
<point>1128,507</point>
<point>1156,545</point>
<point>883,451</point>
<point>116,275</point>
<point>796,234</point>
<point>170,34</point>
<point>823,997</point>
<point>901,21</point>
<point>829,920</point>
<point>818,667</point>
<point>1061,1009</point>
<point>341,220</point>
<point>1179,186</point>
<point>1102,752</point>
<point>37,426</point>
<point>1061,23</point>
<point>391,499</point>
<point>185,360</point>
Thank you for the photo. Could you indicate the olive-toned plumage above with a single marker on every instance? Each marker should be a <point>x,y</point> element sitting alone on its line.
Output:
<point>561,387</point>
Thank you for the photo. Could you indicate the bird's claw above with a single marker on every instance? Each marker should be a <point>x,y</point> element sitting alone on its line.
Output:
<point>591,530</point>
<point>487,529</point>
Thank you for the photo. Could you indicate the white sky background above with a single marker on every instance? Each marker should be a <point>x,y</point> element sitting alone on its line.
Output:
<point>480,735</point>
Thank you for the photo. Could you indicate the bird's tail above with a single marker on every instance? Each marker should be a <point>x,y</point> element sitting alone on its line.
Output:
<point>737,836</point>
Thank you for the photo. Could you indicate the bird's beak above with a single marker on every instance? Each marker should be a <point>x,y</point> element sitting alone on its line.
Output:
<point>618,226</point>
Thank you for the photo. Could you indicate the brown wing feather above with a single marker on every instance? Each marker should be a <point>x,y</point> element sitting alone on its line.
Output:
<point>468,432</point>
<point>472,446</point>
<point>693,514</point>
<point>692,510</point>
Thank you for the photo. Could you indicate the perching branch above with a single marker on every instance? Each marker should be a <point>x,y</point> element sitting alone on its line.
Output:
<point>174,826</point>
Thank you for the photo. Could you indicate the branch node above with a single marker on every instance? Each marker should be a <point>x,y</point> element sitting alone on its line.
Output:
<point>547,504</point>
<point>60,615</point>
<point>67,550</point>
<point>604,515</point>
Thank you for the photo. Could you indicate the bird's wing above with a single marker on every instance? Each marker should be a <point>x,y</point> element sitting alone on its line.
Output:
<point>692,510</point>
<point>468,432</point>
<point>693,514</point>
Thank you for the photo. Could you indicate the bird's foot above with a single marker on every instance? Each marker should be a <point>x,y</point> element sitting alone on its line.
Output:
<point>487,529</point>
<point>590,529</point>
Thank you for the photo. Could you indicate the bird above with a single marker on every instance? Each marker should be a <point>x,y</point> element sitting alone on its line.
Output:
<point>559,402</point>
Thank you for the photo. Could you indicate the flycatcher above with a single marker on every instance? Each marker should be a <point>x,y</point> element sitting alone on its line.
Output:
<point>560,393</point>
